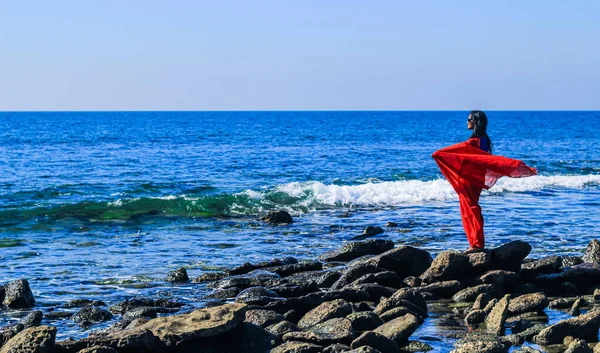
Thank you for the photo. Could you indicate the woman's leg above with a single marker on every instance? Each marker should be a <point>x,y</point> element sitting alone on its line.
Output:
<point>471,216</point>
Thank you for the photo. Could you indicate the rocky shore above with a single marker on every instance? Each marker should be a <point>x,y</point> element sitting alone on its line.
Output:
<point>367,296</point>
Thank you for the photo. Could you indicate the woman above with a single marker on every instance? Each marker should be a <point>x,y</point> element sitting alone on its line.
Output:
<point>470,167</point>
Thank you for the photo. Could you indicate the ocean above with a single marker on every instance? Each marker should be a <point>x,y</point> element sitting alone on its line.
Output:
<point>102,205</point>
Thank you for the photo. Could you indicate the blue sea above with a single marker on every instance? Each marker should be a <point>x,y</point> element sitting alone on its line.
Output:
<point>102,205</point>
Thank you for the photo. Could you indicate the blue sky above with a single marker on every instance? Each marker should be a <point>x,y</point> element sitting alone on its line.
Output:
<point>299,55</point>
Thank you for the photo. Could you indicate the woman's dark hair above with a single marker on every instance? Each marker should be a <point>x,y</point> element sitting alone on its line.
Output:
<point>480,122</point>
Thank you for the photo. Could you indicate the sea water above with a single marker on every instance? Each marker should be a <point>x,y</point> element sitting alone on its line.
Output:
<point>102,205</point>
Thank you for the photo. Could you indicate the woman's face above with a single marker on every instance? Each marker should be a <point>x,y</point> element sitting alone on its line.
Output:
<point>470,124</point>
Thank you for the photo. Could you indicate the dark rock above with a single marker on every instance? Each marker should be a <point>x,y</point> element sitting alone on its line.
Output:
<point>471,293</point>
<point>592,252</point>
<point>55,315</point>
<point>412,281</point>
<point>79,303</point>
<point>357,249</point>
<point>257,296</point>
<point>391,303</point>
<point>297,347</point>
<point>568,289</point>
<point>98,349</point>
<point>258,278</point>
<point>475,317</point>
<point>529,302</point>
<point>399,329</point>
<point>32,319</point>
<point>291,290</point>
<point>549,264</point>
<point>18,295</point>
<point>336,348</point>
<point>147,312</point>
<point>412,296</point>
<point>210,277</point>
<point>179,275</point>
<point>248,267</point>
<point>404,260</point>
<point>282,328</point>
<point>277,217</point>
<point>326,311</point>
<point>562,303</point>
<point>527,349</point>
<point>384,278</point>
<point>372,230</point>
<point>375,291</point>
<point>576,308</point>
<point>481,301</point>
<point>398,312</point>
<point>91,314</point>
<point>364,321</point>
<point>416,346</point>
<point>568,261</point>
<point>494,322</point>
<point>9,332</point>
<point>444,289</point>
<point>300,305</point>
<point>38,339</point>
<point>126,305</point>
<point>338,330</point>
<point>225,293</point>
<point>377,341</point>
<point>481,343</point>
<point>448,265</point>
<point>254,339</point>
<point>584,327</point>
<point>263,318</point>
<point>122,341</point>
<point>364,349</point>
<point>509,256</point>
<point>353,273</point>
<point>286,270</point>
<point>323,279</point>
<point>505,280</point>
<point>391,224</point>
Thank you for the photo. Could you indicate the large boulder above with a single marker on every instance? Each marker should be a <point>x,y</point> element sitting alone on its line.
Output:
<point>357,249</point>
<point>494,322</point>
<point>263,318</point>
<point>254,339</point>
<point>338,330</point>
<point>505,280</point>
<point>448,265</point>
<point>592,252</point>
<point>277,217</point>
<point>257,296</point>
<point>583,276</point>
<point>404,260</point>
<point>377,341</point>
<point>38,339</point>
<point>509,256</point>
<point>545,265</point>
<point>534,302</point>
<point>364,321</point>
<point>584,327</point>
<point>443,289</point>
<point>326,311</point>
<point>399,329</point>
<point>354,272</point>
<point>178,275</point>
<point>282,328</point>
<point>18,295</point>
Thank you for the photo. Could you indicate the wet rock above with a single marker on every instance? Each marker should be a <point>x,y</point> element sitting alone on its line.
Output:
<point>146,312</point>
<point>338,330</point>
<point>412,296</point>
<point>323,279</point>
<point>416,346</point>
<point>412,281</point>
<point>535,302</point>
<point>300,305</point>
<point>126,341</point>
<point>448,265</point>
<point>549,264</point>
<point>92,314</point>
<point>55,315</point>
<point>375,291</point>
<point>297,347</point>
<point>79,303</point>
<point>277,217</point>
<point>562,303</point>
<point>286,270</point>
<point>384,278</point>
<point>568,261</point>
<point>391,224</point>
<point>404,260</point>
<point>372,230</point>
<point>354,272</point>
<point>263,318</point>
<point>257,296</point>
<point>290,290</point>
<point>32,319</point>
<point>326,311</point>
<point>98,349</point>
<point>210,277</point>
<point>530,332</point>
<point>248,267</point>
<point>179,275</point>
<point>568,289</point>
<point>364,349</point>
<point>576,308</point>
<point>505,280</point>
<point>471,293</point>
<point>18,295</point>
<point>336,348</point>
<point>126,305</point>
<point>481,343</point>
<point>526,349</point>
<point>444,289</point>
<point>398,312</point>
<point>592,252</point>
<point>225,293</point>
<point>364,321</point>
<point>377,341</point>
<point>254,339</point>
<point>10,331</point>
<point>282,328</point>
<point>509,256</point>
<point>494,322</point>
<point>584,327</point>
<point>475,317</point>
<point>578,346</point>
<point>357,249</point>
<point>38,339</point>
<point>399,329</point>
<point>387,304</point>
<point>481,301</point>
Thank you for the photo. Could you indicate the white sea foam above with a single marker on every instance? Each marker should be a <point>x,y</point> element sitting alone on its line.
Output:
<point>415,191</point>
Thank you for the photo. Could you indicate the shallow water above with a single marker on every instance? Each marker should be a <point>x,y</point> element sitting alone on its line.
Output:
<point>104,205</point>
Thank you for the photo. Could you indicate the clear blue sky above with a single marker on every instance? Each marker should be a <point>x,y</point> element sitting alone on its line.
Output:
<point>299,55</point>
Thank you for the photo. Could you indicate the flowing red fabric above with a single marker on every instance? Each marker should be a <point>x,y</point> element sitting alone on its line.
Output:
<point>469,170</point>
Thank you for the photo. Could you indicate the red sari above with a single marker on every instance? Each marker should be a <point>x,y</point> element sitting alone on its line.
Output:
<point>469,170</point>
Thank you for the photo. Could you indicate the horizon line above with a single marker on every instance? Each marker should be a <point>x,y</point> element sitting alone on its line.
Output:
<point>293,110</point>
